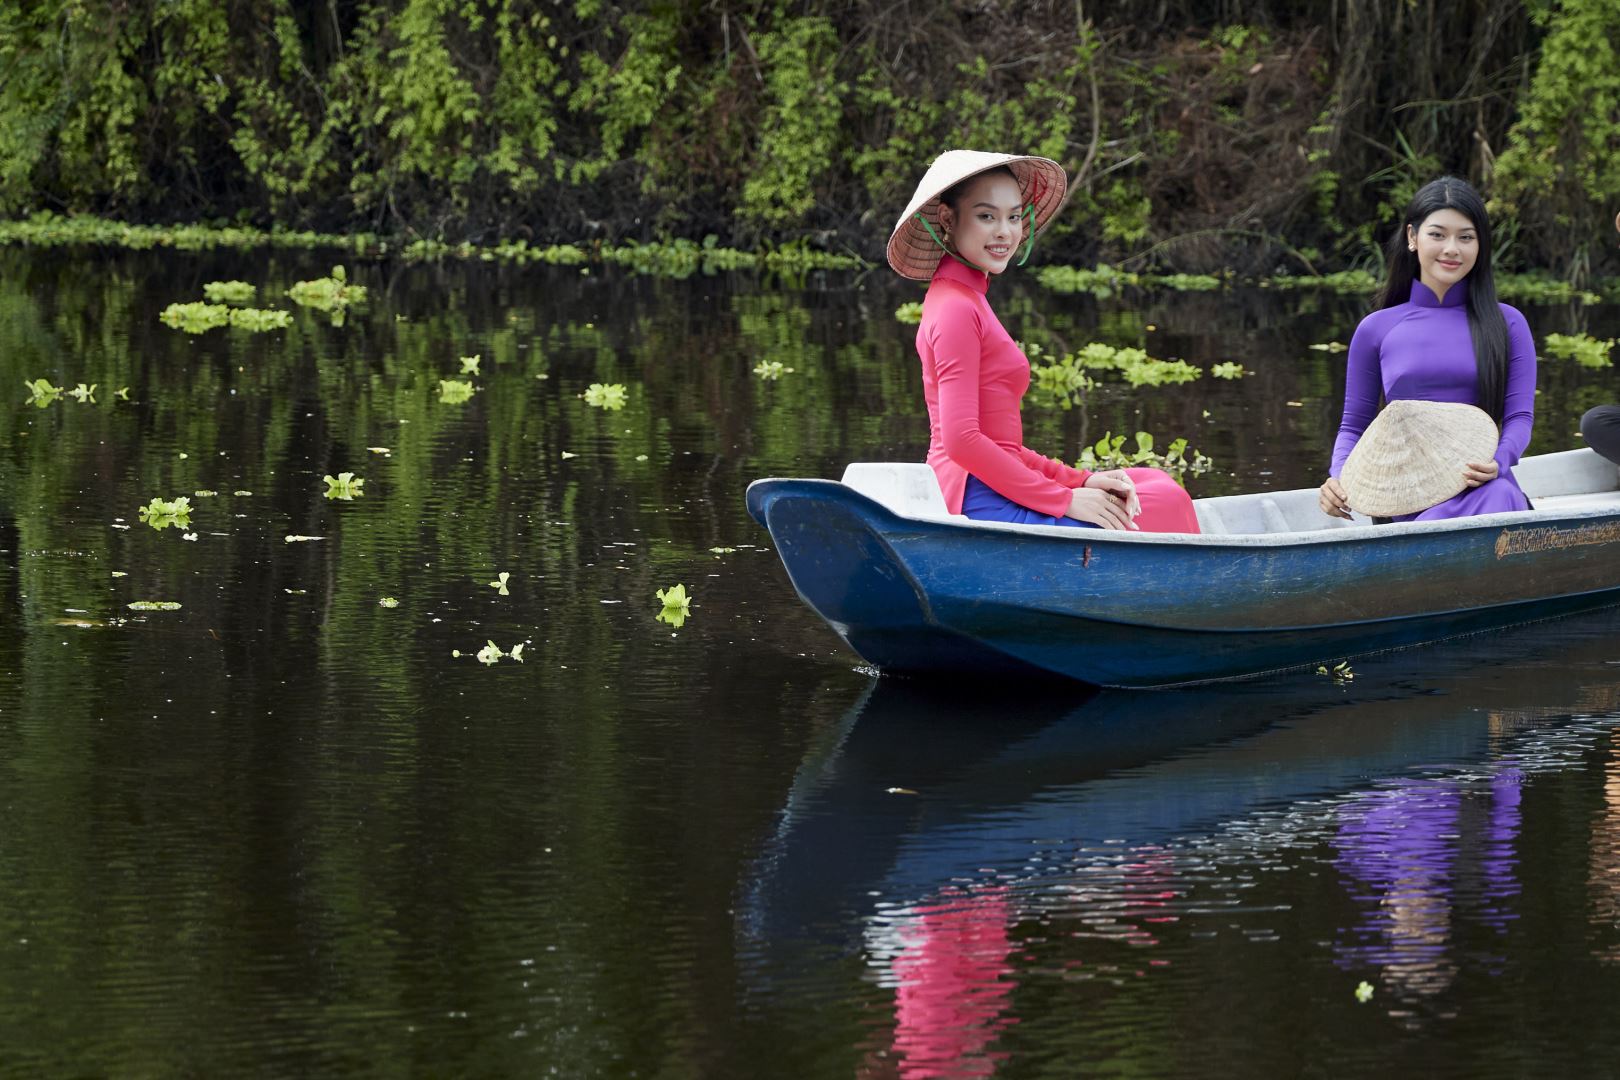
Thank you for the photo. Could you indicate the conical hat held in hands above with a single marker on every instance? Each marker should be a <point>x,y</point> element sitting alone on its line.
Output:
<point>1411,456</point>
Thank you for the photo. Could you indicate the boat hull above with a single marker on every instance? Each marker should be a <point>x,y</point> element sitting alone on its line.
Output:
<point>911,595</point>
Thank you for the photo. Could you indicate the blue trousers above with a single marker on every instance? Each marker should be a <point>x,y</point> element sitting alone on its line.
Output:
<point>981,503</point>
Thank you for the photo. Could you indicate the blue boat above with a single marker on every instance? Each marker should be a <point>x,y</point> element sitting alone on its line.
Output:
<point>1270,584</point>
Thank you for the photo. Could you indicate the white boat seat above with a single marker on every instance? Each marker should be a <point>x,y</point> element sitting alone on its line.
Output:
<point>1572,472</point>
<point>908,488</point>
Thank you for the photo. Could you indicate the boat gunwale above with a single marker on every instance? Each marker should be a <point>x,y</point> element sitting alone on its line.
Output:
<point>1330,534</point>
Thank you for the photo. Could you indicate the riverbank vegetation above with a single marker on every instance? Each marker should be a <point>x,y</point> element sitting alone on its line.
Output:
<point>1259,136</point>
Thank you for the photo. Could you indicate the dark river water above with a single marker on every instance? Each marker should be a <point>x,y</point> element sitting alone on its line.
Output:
<point>286,830</point>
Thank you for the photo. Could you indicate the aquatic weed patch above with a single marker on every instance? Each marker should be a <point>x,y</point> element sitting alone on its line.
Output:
<point>1109,452</point>
<point>1585,350</point>
<point>166,514</point>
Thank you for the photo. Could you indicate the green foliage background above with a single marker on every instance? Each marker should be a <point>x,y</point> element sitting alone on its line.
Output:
<point>1248,134</point>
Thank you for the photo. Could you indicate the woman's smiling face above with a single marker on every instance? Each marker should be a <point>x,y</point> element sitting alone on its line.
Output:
<point>987,223</point>
<point>1447,245</point>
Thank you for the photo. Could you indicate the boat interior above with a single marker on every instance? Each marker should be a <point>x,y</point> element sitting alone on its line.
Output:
<point>1578,481</point>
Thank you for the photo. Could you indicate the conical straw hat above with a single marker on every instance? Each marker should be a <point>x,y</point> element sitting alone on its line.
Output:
<point>915,254</point>
<point>1411,456</point>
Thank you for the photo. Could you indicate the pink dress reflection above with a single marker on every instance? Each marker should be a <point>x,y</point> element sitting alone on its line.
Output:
<point>953,989</point>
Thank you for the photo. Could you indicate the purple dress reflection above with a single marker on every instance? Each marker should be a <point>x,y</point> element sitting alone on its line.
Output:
<point>1397,846</point>
<point>1422,351</point>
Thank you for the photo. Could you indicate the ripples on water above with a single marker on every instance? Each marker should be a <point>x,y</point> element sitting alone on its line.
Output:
<point>283,830</point>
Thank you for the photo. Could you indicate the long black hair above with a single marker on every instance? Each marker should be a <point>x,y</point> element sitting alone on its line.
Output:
<point>1486,326</point>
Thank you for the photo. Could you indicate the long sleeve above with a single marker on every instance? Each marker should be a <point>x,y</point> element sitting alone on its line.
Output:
<point>1066,475</point>
<point>1519,406</point>
<point>1363,389</point>
<point>956,336</point>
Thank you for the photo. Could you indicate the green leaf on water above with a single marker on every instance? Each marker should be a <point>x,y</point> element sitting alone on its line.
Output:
<point>229,292</point>
<point>1330,346</point>
<point>387,602</point>
<point>345,486</point>
<point>299,538</point>
<point>676,605</point>
<point>161,514</point>
<point>41,393</point>
<point>469,364</point>
<point>1364,992</point>
<point>771,370</point>
<point>84,394</point>
<point>154,605</point>
<point>499,584</point>
<point>490,653</point>
<point>454,391</point>
<point>1230,370</point>
<point>610,396</point>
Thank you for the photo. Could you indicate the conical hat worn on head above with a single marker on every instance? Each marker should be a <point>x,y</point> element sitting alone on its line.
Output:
<point>1411,456</point>
<point>915,254</point>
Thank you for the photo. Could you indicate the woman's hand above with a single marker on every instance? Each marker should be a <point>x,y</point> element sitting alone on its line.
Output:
<point>1332,499</point>
<point>1118,483</point>
<point>1476,473</point>
<point>1098,506</point>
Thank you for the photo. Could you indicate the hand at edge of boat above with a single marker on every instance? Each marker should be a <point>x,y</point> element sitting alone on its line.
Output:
<point>1118,482</point>
<point>1098,505</point>
<point>1332,499</point>
<point>1476,473</point>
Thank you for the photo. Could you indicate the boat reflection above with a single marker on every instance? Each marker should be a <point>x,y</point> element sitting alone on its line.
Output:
<point>933,829</point>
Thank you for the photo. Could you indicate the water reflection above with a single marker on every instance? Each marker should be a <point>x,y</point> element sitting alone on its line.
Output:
<point>1604,866</point>
<point>972,853</point>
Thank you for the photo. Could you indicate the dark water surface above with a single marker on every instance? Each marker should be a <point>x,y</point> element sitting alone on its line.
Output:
<point>283,830</point>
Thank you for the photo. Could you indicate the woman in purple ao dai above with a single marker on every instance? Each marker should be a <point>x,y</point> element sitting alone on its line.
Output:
<point>1440,335</point>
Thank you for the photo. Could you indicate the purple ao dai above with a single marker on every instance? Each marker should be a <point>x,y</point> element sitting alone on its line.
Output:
<point>1421,350</point>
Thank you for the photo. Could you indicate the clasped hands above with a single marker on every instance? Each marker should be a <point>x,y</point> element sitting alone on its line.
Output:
<point>1335,503</point>
<point>1108,499</point>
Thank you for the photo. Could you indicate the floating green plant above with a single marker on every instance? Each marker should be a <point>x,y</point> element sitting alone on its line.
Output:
<point>610,396</point>
<point>1330,347</point>
<point>1346,282</point>
<point>469,364</point>
<point>332,293</point>
<point>771,370</point>
<point>1067,378</point>
<point>259,320</point>
<point>1109,453</point>
<point>677,606</point>
<point>345,486</point>
<point>499,584</point>
<point>1584,349</point>
<point>229,292</point>
<point>196,317</point>
<point>300,538</point>
<point>1101,282</point>
<point>491,653</point>
<point>1230,370</point>
<point>204,493</point>
<point>1542,289</point>
<point>154,605</point>
<point>387,602</point>
<point>41,393</point>
<point>454,391</point>
<point>161,514</point>
<point>1339,673</point>
<point>1364,992</point>
<point>909,313</point>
